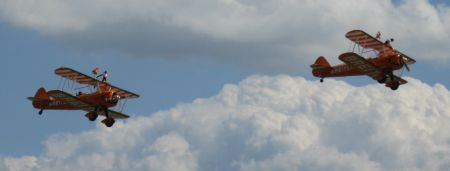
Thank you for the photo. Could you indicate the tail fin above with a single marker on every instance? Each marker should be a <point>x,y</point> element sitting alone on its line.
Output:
<point>40,99</point>
<point>321,67</point>
<point>42,94</point>
<point>320,63</point>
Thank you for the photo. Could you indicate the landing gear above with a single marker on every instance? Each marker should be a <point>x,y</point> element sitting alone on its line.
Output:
<point>383,80</point>
<point>391,82</point>
<point>40,111</point>
<point>387,73</point>
<point>92,116</point>
<point>108,121</point>
<point>394,85</point>
<point>321,80</point>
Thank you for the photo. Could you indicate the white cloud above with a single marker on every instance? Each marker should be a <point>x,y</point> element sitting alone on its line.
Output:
<point>269,123</point>
<point>24,163</point>
<point>277,34</point>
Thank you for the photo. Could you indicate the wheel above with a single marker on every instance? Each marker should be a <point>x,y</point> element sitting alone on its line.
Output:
<point>383,80</point>
<point>321,80</point>
<point>92,116</point>
<point>106,112</point>
<point>108,122</point>
<point>40,111</point>
<point>395,85</point>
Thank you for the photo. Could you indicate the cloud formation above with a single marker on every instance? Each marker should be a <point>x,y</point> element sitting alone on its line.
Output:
<point>265,34</point>
<point>269,123</point>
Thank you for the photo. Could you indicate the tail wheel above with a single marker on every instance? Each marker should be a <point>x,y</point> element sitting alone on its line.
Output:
<point>108,122</point>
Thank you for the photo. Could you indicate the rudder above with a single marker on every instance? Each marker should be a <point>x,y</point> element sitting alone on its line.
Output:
<point>40,99</point>
<point>41,94</point>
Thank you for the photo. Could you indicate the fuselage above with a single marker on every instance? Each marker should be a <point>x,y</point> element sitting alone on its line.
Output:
<point>103,99</point>
<point>388,61</point>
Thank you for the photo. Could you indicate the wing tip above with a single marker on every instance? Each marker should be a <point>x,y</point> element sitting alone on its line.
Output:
<point>348,34</point>
<point>346,54</point>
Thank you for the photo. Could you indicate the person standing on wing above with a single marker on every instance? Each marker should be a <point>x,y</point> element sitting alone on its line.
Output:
<point>105,76</point>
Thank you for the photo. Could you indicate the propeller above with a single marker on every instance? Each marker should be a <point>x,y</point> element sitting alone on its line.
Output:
<point>403,62</point>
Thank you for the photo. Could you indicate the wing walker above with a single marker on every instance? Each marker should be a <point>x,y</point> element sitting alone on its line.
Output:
<point>379,68</point>
<point>102,98</point>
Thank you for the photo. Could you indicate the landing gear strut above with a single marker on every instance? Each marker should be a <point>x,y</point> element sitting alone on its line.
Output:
<point>108,121</point>
<point>387,73</point>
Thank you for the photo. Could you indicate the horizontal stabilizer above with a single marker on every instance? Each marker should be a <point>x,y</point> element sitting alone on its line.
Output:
<point>37,99</point>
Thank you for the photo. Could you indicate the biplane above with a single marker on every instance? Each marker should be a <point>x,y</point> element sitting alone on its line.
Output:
<point>98,101</point>
<point>379,68</point>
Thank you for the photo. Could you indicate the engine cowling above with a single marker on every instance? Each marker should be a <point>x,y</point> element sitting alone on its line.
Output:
<point>114,98</point>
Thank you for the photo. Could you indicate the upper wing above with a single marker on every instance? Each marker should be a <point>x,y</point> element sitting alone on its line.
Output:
<point>81,78</point>
<point>73,101</point>
<point>366,41</point>
<point>362,65</point>
<point>74,75</point>
<point>124,94</point>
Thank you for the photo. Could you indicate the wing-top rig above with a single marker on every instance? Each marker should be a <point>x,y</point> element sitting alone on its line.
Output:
<point>379,68</point>
<point>98,101</point>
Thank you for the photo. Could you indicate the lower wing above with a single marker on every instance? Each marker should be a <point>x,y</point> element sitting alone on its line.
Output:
<point>400,80</point>
<point>77,103</point>
<point>362,65</point>
<point>114,114</point>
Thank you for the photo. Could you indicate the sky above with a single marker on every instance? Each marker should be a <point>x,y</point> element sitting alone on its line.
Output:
<point>225,85</point>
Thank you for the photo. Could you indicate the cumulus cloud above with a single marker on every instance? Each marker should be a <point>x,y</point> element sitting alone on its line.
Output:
<point>268,34</point>
<point>269,123</point>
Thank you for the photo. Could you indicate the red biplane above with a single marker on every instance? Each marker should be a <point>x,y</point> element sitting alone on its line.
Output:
<point>97,102</point>
<point>379,68</point>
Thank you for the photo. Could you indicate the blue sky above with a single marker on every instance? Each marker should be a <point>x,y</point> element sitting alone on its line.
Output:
<point>31,53</point>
